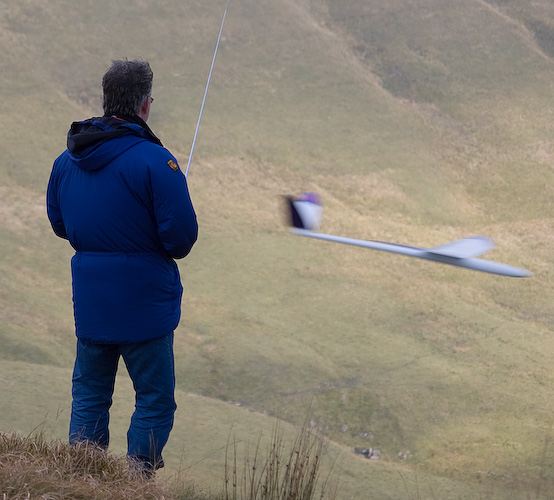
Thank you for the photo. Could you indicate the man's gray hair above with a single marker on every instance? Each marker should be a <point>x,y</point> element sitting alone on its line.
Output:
<point>126,85</point>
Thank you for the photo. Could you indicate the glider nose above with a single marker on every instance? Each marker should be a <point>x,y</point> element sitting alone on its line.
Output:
<point>305,211</point>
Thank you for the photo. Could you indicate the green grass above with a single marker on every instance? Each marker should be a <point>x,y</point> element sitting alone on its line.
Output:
<point>418,123</point>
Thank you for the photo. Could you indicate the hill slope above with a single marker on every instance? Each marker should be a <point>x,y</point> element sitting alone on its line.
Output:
<point>417,122</point>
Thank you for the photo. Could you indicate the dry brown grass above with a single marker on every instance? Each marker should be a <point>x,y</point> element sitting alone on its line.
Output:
<point>280,474</point>
<point>33,468</point>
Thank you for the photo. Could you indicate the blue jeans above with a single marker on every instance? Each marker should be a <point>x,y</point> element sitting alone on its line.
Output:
<point>151,368</point>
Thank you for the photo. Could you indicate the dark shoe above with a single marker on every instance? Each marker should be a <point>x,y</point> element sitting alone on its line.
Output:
<point>142,468</point>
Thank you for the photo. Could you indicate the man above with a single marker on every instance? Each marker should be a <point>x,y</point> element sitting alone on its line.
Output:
<point>121,200</point>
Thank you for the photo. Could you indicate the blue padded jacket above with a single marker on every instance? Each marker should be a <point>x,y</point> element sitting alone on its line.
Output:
<point>121,200</point>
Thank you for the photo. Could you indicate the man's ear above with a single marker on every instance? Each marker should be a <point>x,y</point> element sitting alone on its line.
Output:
<point>145,109</point>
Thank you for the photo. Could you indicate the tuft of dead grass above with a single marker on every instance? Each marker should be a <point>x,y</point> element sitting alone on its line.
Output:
<point>32,467</point>
<point>282,473</point>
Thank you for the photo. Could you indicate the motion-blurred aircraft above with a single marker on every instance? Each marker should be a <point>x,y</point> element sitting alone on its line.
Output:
<point>305,217</point>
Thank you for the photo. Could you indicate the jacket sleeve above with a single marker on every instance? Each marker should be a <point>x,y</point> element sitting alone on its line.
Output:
<point>175,215</point>
<point>53,206</point>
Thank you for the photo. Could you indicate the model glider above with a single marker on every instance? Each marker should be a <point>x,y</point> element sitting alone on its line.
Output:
<point>305,217</point>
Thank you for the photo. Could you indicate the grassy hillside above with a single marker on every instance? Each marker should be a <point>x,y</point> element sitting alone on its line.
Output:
<point>418,122</point>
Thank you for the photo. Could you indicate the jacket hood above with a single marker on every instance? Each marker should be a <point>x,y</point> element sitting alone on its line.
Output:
<point>89,141</point>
